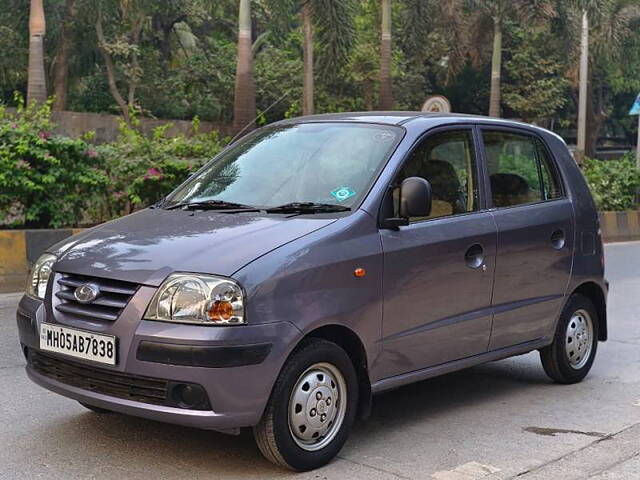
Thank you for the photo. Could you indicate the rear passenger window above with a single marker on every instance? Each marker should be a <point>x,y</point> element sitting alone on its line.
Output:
<point>520,170</point>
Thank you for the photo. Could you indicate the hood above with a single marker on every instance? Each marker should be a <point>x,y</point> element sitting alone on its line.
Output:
<point>148,245</point>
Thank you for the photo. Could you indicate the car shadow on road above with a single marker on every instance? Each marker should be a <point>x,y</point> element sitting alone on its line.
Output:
<point>442,395</point>
<point>122,442</point>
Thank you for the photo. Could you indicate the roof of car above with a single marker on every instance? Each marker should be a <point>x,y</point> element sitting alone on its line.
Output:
<point>403,117</point>
<point>391,118</point>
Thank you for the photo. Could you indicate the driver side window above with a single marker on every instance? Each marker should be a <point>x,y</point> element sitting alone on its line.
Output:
<point>447,161</point>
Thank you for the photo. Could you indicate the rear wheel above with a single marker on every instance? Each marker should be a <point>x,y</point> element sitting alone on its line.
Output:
<point>98,410</point>
<point>570,357</point>
<point>311,409</point>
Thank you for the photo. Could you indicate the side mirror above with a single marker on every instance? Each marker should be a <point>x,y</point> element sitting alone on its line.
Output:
<point>415,201</point>
<point>415,197</point>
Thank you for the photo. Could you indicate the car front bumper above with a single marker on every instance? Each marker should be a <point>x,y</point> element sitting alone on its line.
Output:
<point>235,365</point>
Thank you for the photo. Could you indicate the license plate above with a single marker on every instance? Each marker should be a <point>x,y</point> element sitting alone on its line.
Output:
<point>78,343</point>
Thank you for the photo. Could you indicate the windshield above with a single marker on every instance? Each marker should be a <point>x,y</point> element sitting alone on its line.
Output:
<point>333,163</point>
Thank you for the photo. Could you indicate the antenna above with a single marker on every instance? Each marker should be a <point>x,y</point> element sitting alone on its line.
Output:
<point>258,116</point>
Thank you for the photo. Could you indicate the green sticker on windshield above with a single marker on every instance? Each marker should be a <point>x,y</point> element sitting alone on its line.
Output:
<point>342,193</point>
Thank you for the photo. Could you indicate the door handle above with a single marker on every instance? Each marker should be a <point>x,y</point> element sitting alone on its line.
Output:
<point>474,257</point>
<point>558,239</point>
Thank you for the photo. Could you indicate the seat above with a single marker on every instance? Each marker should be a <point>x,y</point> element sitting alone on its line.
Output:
<point>509,189</point>
<point>444,184</point>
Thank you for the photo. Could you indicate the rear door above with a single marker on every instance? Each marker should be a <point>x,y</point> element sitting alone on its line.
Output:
<point>535,225</point>
<point>438,270</point>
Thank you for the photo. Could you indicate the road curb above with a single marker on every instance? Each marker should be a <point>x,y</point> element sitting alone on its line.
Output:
<point>620,226</point>
<point>19,249</point>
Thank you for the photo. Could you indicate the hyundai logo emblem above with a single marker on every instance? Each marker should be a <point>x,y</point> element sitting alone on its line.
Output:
<point>86,293</point>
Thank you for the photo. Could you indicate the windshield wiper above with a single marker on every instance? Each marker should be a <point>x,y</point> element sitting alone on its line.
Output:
<point>213,205</point>
<point>307,207</point>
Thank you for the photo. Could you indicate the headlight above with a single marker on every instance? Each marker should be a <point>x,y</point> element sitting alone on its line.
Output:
<point>40,274</point>
<point>201,299</point>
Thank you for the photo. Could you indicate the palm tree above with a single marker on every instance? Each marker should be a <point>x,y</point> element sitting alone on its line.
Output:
<point>386,90</point>
<point>244,106</point>
<point>306,13</point>
<point>583,88</point>
<point>36,84</point>
<point>497,11</point>
<point>331,22</point>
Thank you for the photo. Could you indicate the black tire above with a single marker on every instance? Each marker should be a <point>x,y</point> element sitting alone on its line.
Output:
<point>98,410</point>
<point>273,435</point>
<point>555,360</point>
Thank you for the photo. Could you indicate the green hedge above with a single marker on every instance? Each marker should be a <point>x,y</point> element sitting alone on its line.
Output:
<point>51,181</point>
<point>613,183</point>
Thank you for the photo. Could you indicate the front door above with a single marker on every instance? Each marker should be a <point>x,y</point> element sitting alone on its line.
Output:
<point>535,236</point>
<point>438,271</point>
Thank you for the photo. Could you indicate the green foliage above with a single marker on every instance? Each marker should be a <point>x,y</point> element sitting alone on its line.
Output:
<point>521,165</point>
<point>336,32</point>
<point>13,55</point>
<point>144,168</point>
<point>613,183</point>
<point>537,88</point>
<point>45,180</point>
<point>198,82</point>
<point>278,72</point>
<point>51,181</point>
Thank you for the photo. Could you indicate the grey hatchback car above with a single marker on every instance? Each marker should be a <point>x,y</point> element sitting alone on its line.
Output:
<point>319,261</point>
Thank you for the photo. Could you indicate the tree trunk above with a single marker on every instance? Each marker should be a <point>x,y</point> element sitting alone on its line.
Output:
<point>111,77</point>
<point>244,108</point>
<point>307,86</point>
<point>496,69</point>
<point>36,84</point>
<point>386,90</point>
<point>596,117</point>
<point>584,82</point>
<point>368,94</point>
<point>61,72</point>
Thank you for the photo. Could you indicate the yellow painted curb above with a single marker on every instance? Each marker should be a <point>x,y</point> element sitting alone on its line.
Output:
<point>632,222</point>
<point>13,253</point>
<point>610,222</point>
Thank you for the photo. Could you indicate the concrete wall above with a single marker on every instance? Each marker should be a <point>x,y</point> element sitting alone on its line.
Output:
<point>74,124</point>
<point>19,249</point>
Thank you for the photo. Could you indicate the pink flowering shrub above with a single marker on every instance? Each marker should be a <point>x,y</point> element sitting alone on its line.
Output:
<point>45,180</point>
<point>54,181</point>
<point>148,167</point>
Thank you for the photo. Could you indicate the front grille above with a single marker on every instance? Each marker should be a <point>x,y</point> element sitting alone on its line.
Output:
<point>114,296</point>
<point>151,390</point>
<point>99,380</point>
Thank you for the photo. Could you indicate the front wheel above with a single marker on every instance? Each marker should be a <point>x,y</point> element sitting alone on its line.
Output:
<point>311,409</point>
<point>569,358</point>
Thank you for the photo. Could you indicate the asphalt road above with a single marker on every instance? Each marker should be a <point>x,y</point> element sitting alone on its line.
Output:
<point>497,421</point>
